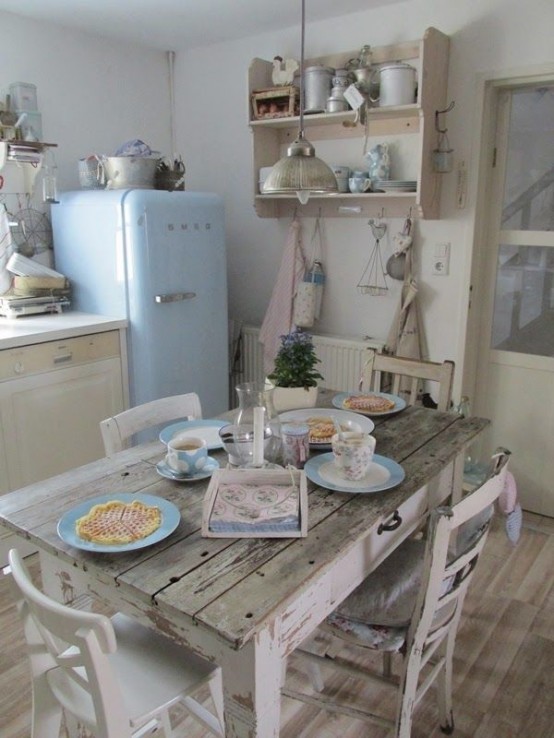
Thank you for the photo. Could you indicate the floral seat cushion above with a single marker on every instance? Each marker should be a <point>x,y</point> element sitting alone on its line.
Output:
<point>377,613</point>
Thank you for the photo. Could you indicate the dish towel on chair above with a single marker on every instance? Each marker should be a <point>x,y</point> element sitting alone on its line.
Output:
<point>509,505</point>
<point>278,319</point>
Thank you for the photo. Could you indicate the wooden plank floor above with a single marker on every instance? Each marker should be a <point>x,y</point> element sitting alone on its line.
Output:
<point>504,661</point>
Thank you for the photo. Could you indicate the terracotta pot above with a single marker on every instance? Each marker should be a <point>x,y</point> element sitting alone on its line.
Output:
<point>293,398</point>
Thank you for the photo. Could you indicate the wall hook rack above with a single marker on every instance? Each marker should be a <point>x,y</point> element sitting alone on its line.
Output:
<point>438,129</point>
<point>443,154</point>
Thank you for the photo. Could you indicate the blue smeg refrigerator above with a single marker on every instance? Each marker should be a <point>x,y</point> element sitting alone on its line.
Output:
<point>156,258</point>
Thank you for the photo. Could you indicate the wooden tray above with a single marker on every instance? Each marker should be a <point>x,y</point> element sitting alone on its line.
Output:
<point>245,493</point>
<point>275,102</point>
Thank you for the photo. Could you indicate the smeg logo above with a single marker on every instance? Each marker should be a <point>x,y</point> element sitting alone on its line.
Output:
<point>189,226</point>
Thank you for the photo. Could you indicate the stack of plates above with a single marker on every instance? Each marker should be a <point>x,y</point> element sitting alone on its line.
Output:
<point>396,185</point>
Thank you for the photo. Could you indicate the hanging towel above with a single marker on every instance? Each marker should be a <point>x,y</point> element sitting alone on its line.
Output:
<point>5,250</point>
<point>278,320</point>
<point>509,505</point>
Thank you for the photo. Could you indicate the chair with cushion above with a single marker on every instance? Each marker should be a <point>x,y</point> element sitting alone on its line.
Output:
<point>405,377</point>
<point>117,431</point>
<point>114,676</point>
<point>411,606</point>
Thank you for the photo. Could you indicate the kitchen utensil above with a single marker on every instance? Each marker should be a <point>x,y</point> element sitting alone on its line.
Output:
<point>373,280</point>
<point>396,264</point>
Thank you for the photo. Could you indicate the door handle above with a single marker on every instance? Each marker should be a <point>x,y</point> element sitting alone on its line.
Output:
<point>175,297</point>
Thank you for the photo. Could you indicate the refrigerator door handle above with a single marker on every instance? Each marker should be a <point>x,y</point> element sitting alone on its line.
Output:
<point>175,297</point>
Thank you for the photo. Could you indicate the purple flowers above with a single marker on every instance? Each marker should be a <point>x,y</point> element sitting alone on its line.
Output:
<point>295,362</point>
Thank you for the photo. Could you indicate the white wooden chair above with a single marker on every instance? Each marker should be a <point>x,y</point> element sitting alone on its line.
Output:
<point>113,676</point>
<point>412,605</point>
<point>118,430</point>
<point>406,377</point>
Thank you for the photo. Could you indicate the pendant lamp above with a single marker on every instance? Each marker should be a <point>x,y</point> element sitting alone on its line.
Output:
<point>300,171</point>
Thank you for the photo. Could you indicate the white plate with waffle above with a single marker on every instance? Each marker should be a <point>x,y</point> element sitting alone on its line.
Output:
<point>322,428</point>
<point>169,520</point>
<point>369,403</point>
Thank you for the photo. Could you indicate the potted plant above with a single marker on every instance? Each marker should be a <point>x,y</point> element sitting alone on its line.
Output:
<point>295,375</point>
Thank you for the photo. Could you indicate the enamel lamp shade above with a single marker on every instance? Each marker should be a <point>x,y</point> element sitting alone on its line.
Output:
<point>300,172</point>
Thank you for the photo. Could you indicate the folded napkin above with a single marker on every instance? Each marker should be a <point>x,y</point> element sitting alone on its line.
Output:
<point>241,508</point>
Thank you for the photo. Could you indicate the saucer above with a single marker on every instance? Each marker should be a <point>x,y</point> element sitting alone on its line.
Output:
<point>166,471</point>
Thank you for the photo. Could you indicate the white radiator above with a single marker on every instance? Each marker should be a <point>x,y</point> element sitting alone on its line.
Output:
<point>342,359</point>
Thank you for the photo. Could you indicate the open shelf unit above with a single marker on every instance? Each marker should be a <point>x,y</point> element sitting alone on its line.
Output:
<point>20,162</point>
<point>270,136</point>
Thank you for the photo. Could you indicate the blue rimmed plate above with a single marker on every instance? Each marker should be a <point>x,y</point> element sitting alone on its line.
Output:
<point>206,429</point>
<point>170,520</point>
<point>207,470</point>
<point>384,473</point>
<point>399,402</point>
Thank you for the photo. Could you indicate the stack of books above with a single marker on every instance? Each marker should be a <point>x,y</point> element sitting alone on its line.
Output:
<point>36,289</point>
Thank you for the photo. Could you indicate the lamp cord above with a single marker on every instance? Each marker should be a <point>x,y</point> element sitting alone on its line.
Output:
<point>303,27</point>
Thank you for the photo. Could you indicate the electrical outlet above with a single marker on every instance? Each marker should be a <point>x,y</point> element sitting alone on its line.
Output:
<point>441,259</point>
<point>440,266</point>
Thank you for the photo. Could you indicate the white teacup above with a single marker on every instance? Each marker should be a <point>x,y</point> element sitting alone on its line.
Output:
<point>186,454</point>
<point>353,453</point>
<point>359,184</point>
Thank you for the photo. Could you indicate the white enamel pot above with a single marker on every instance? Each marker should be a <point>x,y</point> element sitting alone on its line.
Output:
<point>397,84</point>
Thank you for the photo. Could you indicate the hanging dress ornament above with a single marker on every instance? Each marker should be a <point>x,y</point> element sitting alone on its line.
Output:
<point>374,280</point>
<point>396,264</point>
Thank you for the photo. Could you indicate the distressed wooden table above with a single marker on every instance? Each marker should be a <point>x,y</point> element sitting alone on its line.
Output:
<point>244,603</point>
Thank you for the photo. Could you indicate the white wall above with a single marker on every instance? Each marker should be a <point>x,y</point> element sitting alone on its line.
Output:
<point>94,94</point>
<point>213,133</point>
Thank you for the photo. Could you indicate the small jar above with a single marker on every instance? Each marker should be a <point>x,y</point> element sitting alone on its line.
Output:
<point>296,444</point>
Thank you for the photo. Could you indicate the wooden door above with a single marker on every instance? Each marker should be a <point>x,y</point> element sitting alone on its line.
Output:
<point>515,386</point>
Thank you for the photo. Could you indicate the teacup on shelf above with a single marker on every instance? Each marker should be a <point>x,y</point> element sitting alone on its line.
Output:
<point>359,184</point>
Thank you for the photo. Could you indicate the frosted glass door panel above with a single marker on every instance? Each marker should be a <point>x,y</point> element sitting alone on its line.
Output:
<point>523,319</point>
<point>528,202</point>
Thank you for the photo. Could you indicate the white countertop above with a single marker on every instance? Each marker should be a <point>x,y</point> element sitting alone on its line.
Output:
<point>32,329</point>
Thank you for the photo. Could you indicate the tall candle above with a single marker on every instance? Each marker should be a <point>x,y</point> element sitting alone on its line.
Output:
<point>258,449</point>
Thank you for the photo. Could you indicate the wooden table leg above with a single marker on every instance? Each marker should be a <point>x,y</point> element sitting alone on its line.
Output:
<point>252,689</point>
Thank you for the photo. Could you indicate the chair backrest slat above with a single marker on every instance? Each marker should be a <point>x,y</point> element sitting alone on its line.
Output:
<point>447,571</point>
<point>406,375</point>
<point>69,653</point>
<point>118,430</point>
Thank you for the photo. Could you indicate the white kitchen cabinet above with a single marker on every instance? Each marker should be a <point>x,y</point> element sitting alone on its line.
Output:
<point>339,141</point>
<point>53,396</point>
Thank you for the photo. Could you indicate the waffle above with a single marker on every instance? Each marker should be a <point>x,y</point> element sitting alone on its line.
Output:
<point>322,429</point>
<point>369,403</point>
<point>116,523</point>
